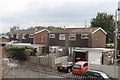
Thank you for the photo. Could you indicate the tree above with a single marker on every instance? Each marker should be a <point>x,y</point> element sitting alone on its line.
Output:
<point>14,28</point>
<point>106,22</point>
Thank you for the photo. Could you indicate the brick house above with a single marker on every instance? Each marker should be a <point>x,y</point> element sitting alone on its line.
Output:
<point>33,36</point>
<point>30,36</point>
<point>4,39</point>
<point>93,37</point>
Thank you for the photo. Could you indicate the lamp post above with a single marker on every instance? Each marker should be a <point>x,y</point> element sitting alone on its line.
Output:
<point>116,37</point>
<point>115,56</point>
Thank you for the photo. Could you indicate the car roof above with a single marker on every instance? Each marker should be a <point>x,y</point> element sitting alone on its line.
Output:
<point>102,73</point>
<point>95,71</point>
<point>81,62</point>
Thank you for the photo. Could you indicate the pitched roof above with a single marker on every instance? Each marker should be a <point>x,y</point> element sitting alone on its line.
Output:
<point>28,31</point>
<point>3,36</point>
<point>78,30</point>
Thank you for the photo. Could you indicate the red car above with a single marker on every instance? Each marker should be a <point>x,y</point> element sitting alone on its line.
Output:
<point>79,67</point>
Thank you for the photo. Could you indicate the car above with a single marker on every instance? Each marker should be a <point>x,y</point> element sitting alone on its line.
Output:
<point>96,74</point>
<point>79,67</point>
<point>65,67</point>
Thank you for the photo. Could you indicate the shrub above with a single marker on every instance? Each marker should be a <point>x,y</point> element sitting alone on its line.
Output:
<point>17,52</point>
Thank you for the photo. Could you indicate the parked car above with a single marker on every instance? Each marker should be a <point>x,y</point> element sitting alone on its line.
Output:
<point>79,67</point>
<point>65,67</point>
<point>96,74</point>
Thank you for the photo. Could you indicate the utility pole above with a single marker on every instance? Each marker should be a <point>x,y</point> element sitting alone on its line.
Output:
<point>115,56</point>
<point>117,18</point>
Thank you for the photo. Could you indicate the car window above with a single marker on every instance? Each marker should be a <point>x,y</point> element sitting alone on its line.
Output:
<point>76,66</point>
<point>65,63</point>
<point>70,63</point>
<point>86,64</point>
<point>97,75</point>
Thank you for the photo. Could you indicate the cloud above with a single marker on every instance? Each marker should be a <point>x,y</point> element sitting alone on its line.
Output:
<point>25,13</point>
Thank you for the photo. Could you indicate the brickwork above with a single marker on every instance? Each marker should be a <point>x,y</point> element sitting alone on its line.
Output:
<point>98,40</point>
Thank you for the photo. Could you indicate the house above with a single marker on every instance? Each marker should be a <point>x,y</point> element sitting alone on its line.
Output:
<point>4,39</point>
<point>92,37</point>
<point>32,36</point>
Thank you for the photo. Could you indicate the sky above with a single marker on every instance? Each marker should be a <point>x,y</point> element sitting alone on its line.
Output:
<point>60,13</point>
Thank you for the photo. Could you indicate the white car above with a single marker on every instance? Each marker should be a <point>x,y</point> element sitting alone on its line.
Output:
<point>96,74</point>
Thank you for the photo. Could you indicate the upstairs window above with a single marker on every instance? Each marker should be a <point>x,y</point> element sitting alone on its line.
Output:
<point>84,36</point>
<point>118,52</point>
<point>118,35</point>
<point>11,35</point>
<point>72,37</point>
<point>30,35</point>
<point>51,35</point>
<point>61,36</point>
<point>17,36</point>
<point>23,36</point>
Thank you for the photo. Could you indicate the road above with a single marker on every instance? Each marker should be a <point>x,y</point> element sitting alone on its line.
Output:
<point>28,71</point>
<point>25,73</point>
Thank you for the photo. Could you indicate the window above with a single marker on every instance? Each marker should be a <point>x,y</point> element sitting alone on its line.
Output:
<point>51,35</point>
<point>17,36</point>
<point>30,35</point>
<point>11,35</point>
<point>84,36</point>
<point>77,66</point>
<point>72,37</point>
<point>42,38</point>
<point>61,36</point>
<point>118,35</point>
<point>23,36</point>
<point>86,64</point>
<point>118,52</point>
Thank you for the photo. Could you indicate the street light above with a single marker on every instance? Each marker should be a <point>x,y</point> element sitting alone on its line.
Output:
<point>116,35</point>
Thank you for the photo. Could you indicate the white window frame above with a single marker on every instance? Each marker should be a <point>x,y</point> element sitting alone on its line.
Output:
<point>118,36</point>
<point>61,36</point>
<point>72,37</point>
<point>23,36</point>
<point>11,35</point>
<point>31,35</point>
<point>17,36</point>
<point>51,35</point>
<point>42,38</point>
<point>84,36</point>
<point>118,52</point>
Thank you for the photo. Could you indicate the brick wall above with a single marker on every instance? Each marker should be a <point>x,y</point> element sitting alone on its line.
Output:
<point>98,40</point>
<point>41,38</point>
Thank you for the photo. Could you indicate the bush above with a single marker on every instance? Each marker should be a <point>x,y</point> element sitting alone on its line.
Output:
<point>18,53</point>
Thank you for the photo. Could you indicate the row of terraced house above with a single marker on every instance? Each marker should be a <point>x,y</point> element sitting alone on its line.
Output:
<point>65,38</point>
<point>93,37</point>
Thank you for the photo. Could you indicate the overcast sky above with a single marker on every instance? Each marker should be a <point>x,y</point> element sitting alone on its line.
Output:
<point>26,13</point>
